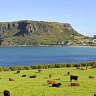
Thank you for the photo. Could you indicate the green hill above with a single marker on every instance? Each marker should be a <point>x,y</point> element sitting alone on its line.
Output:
<point>35,33</point>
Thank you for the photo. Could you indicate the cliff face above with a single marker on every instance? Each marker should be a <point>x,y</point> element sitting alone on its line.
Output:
<point>35,32</point>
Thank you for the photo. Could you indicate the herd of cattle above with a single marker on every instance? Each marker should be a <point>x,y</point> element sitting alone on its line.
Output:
<point>52,82</point>
<point>72,77</point>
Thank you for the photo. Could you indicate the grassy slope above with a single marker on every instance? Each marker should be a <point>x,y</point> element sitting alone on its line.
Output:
<point>25,86</point>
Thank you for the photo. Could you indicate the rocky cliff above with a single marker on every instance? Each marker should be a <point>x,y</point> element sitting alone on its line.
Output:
<point>35,33</point>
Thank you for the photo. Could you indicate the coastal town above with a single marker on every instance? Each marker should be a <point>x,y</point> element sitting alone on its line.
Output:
<point>86,41</point>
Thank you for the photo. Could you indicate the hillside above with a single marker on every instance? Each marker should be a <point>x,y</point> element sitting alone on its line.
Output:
<point>36,33</point>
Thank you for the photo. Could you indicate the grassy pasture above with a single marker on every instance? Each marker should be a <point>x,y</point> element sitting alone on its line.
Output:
<point>25,86</point>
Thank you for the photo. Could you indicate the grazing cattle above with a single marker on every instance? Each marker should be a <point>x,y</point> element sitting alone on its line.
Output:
<point>50,75</point>
<point>77,67</point>
<point>91,77</point>
<point>68,73</point>
<point>51,82</point>
<point>57,79</point>
<point>18,71</point>
<point>6,93</point>
<point>73,77</point>
<point>75,84</point>
<point>10,79</point>
<point>56,85</point>
<point>93,66</point>
<point>23,75</point>
<point>82,69</point>
<point>39,71</point>
<point>33,76</point>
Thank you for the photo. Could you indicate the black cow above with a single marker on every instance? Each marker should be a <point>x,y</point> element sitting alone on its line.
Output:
<point>68,73</point>
<point>6,93</point>
<point>18,71</point>
<point>50,75</point>
<point>23,75</point>
<point>56,85</point>
<point>39,70</point>
<point>33,76</point>
<point>72,77</point>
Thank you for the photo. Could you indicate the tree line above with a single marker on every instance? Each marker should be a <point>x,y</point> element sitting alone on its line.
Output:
<point>45,66</point>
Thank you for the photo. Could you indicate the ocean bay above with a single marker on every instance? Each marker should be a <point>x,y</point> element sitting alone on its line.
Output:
<point>20,55</point>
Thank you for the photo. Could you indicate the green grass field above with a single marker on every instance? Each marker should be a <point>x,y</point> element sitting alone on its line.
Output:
<point>25,86</point>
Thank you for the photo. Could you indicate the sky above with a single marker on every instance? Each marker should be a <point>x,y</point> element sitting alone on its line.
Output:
<point>81,14</point>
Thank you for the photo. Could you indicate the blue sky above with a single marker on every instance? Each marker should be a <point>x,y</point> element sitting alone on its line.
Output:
<point>81,14</point>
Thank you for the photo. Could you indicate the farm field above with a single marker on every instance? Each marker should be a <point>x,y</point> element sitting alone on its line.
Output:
<point>26,86</point>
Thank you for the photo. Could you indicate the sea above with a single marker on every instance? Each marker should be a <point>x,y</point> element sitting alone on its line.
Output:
<point>21,55</point>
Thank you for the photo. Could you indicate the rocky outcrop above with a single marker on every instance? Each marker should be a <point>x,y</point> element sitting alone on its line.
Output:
<point>6,26</point>
<point>28,28</point>
<point>37,27</point>
<point>35,31</point>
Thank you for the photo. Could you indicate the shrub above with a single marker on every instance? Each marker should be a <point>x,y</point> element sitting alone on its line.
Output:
<point>3,68</point>
<point>28,68</point>
<point>14,68</point>
<point>21,67</point>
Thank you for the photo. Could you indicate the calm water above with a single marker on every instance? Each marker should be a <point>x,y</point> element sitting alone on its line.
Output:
<point>10,56</point>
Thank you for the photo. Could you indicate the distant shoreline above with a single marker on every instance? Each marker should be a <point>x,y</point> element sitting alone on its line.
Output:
<point>46,46</point>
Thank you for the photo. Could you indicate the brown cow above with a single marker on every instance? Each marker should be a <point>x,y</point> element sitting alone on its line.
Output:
<point>82,69</point>
<point>93,66</point>
<point>10,79</point>
<point>51,82</point>
<point>57,79</point>
<point>75,84</point>
<point>91,77</point>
